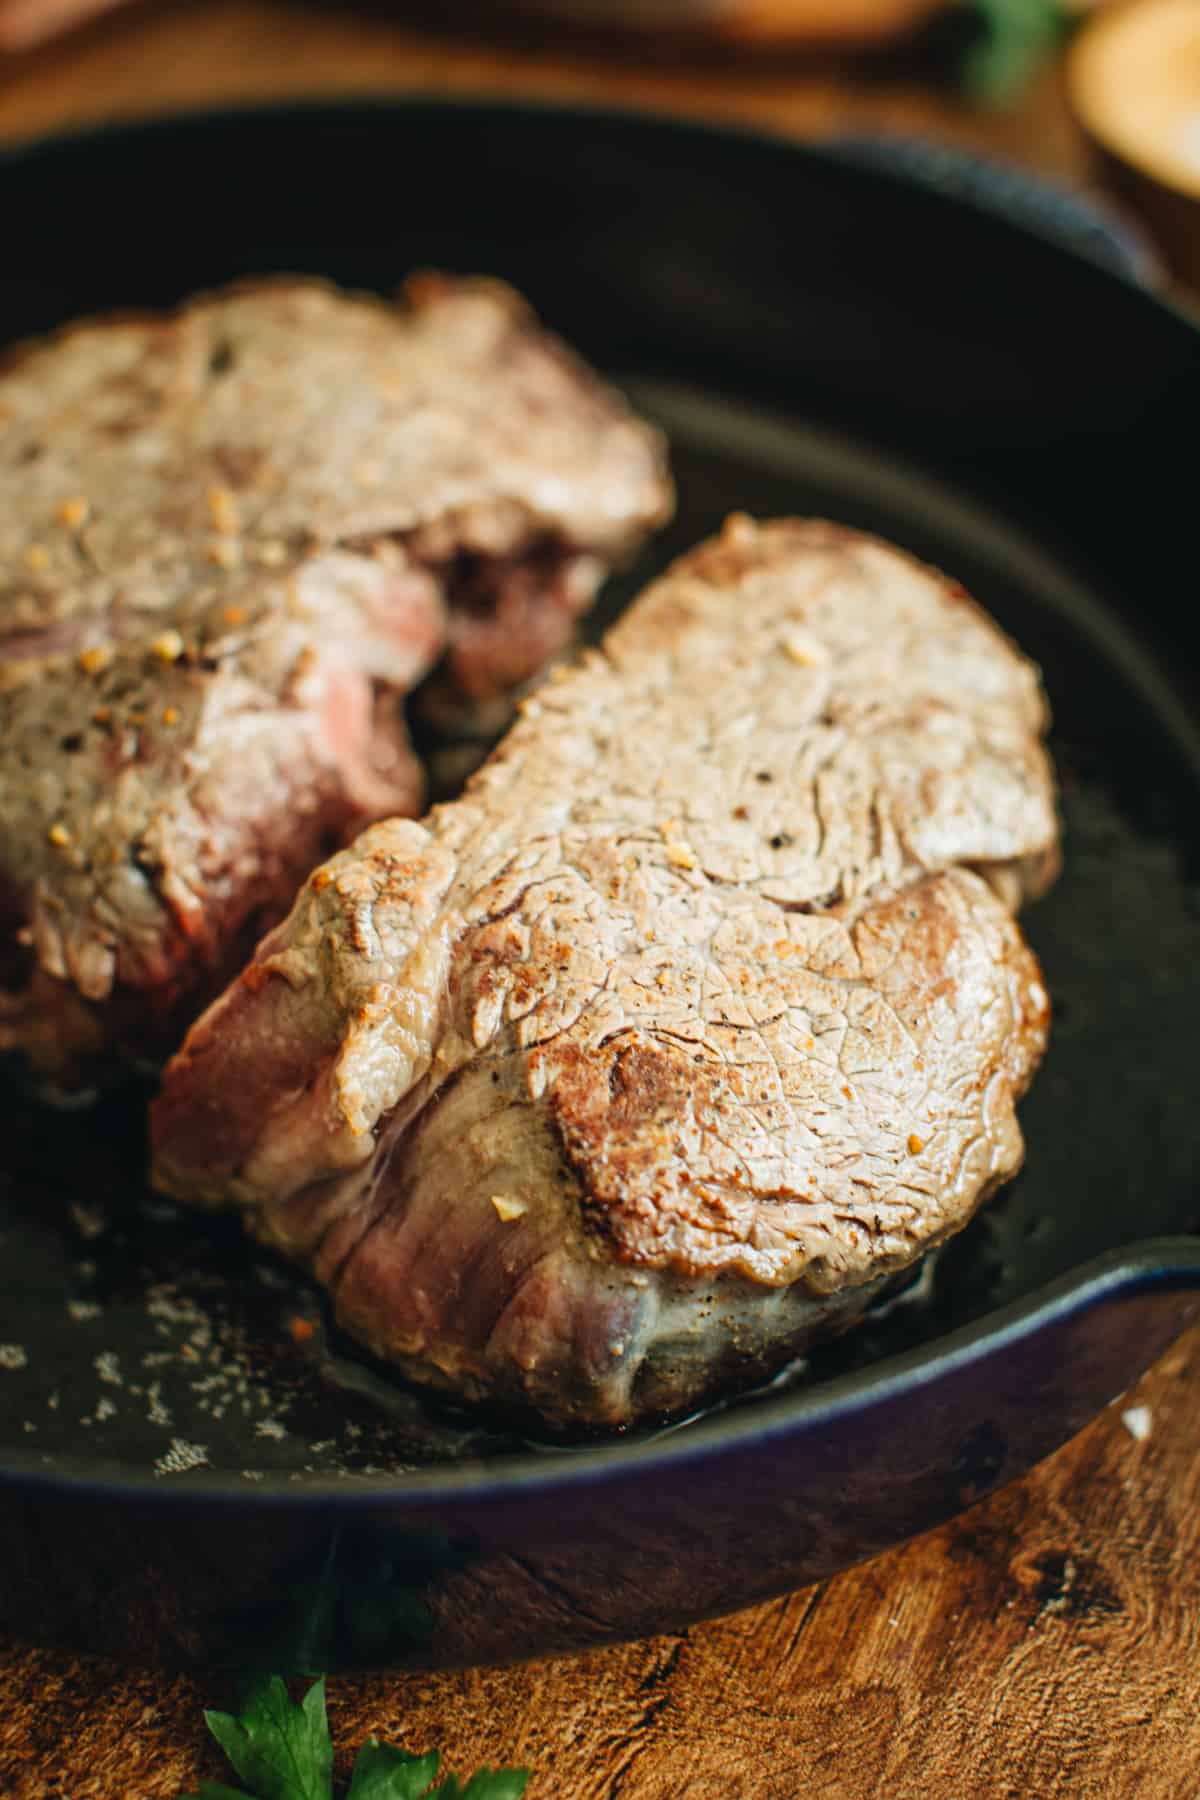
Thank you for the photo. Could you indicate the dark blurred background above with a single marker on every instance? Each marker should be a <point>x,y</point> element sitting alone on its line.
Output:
<point>1101,94</point>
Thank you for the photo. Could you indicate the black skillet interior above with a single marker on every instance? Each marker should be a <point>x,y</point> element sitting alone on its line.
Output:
<point>817,336</point>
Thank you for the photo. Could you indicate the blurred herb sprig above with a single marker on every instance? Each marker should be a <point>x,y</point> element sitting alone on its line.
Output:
<point>282,1751</point>
<point>1012,38</point>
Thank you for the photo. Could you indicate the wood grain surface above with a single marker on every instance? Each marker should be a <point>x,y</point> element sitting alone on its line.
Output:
<point>1047,1644</point>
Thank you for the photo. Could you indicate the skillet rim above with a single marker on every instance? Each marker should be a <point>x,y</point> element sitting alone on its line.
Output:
<point>934,175</point>
<point>1122,1273</point>
<point>1115,1275</point>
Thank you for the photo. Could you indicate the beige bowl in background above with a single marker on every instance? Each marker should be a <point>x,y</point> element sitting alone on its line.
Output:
<point>1133,76</point>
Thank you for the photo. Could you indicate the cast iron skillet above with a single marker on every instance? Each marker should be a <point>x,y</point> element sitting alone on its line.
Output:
<point>192,1464</point>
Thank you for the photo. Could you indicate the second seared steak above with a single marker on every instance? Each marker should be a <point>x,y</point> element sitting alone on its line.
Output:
<point>229,540</point>
<point>697,1018</point>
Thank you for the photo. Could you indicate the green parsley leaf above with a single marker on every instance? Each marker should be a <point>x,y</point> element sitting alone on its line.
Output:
<point>383,1773</point>
<point>283,1752</point>
<point>280,1750</point>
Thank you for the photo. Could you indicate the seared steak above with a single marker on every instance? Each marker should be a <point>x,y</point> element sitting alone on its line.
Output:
<point>696,1019</point>
<point>229,539</point>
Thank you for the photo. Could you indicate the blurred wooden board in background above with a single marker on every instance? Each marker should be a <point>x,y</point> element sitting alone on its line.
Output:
<point>195,52</point>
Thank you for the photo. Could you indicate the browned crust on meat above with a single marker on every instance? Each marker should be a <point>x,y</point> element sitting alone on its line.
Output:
<point>245,520</point>
<point>634,1115</point>
<point>729,1091</point>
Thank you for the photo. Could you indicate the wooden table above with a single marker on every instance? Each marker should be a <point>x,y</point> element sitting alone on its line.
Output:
<point>1046,1644</point>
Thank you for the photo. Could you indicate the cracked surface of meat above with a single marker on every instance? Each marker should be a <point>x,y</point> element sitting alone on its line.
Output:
<point>701,1015</point>
<point>228,538</point>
